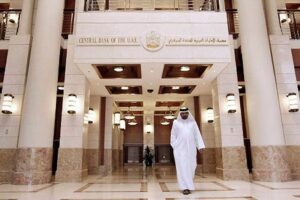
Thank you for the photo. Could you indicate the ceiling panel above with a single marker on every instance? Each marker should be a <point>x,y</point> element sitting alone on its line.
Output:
<point>128,71</point>
<point>119,90</point>
<point>174,71</point>
<point>186,89</point>
<point>129,103</point>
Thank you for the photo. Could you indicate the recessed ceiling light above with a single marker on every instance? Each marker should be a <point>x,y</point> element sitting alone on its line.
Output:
<point>60,88</point>
<point>185,68</point>
<point>240,87</point>
<point>124,88</point>
<point>175,88</point>
<point>118,69</point>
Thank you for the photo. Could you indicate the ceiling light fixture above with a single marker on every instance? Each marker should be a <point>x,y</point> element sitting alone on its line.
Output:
<point>185,68</point>
<point>118,69</point>
<point>175,88</point>
<point>132,122</point>
<point>169,115</point>
<point>124,88</point>
<point>60,88</point>
<point>164,122</point>
<point>129,114</point>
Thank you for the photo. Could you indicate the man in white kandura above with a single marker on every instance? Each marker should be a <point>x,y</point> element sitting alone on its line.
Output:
<point>185,140</point>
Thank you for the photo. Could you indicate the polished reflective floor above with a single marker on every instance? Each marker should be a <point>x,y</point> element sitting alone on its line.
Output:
<point>136,183</point>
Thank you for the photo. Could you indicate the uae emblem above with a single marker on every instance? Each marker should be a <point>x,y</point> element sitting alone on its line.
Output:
<point>153,41</point>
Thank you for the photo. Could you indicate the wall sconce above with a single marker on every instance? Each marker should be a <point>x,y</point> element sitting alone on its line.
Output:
<point>7,103</point>
<point>72,104</point>
<point>210,115</point>
<point>293,102</point>
<point>117,118</point>
<point>91,116</point>
<point>148,128</point>
<point>122,124</point>
<point>231,103</point>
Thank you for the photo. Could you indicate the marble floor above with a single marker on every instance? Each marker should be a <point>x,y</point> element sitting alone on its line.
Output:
<point>135,183</point>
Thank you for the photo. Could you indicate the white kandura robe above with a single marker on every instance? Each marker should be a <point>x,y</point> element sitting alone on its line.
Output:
<point>185,140</point>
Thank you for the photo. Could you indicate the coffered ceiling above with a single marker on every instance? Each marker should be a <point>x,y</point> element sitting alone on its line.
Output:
<point>151,87</point>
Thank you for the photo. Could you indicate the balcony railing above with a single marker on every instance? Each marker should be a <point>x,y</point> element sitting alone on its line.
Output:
<point>233,22</point>
<point>130,5</point>
<point>9,23</point>
<point>68,23</point>
<point>290,23</point>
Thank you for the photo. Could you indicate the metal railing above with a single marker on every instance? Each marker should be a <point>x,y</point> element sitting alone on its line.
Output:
<point>233,22</point>
<point>130,5</point>
<point>9,23</point>
<point>290,23</point>
<point>68,23</point>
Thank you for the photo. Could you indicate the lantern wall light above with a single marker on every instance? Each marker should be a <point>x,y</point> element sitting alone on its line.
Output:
<point>148,128</point>
<point>122,124</point>
<point>72,104</point>
<point>293,102</point>
<point>91,116</point>
<point>7,103</point>
<point>210,115</point>
<point>231,103</point>
<point>117,118</point>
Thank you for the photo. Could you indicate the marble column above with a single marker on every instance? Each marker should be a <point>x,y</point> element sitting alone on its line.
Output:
<point>26,17</point>
<point>108,136</point>
<point>14,83</point>
<point>93,137</point>
<point>272,17</point>
<point>72,154</point>
<point>208,135</point>
<point>34,154</point>
<point>269,153</point>
<point>230,151</point>
<point>287,83</point>
<point>222,5</point>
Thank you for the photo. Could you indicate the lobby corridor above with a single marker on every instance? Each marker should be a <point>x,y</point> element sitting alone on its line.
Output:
<point>136,183</point>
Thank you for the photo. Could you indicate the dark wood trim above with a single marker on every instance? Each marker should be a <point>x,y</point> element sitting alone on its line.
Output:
<point>102,130</point>
<point>197,110</point>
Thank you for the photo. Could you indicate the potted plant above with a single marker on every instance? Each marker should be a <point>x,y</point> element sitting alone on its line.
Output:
<point>148,157</point>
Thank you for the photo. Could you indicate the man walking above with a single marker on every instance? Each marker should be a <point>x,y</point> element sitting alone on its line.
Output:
<point>185,140</point>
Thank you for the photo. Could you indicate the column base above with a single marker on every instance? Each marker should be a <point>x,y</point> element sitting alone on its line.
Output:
<point>6,176</point>
<point>270,163</point>
<point>33,166</point>
<point>92,159</point>
<point>7,164</point>
<point>231,163</point>
<point>32,177</point>
<point>232,174</point>
<point>71,165</point>
<point>294,161</point>
<point>209,160</point>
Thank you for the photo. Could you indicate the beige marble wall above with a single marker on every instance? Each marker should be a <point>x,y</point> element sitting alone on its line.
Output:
<point>231,163</point>
<point>71,165</point>
<point>33,166</point>
<point>209,160</point>
<point>294,161</point>
<point>270,163</point>
<point>7,163</point>
<point>93,161</point>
